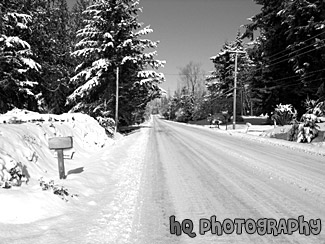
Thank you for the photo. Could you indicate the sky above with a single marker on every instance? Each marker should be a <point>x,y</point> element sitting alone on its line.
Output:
<point>192,30</point>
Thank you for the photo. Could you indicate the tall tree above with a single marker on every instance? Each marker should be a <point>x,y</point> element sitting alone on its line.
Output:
<point>51,39</point>
<point>192,77</point>
<point>220,83</point>
<point>290,51</point>
<point>193,90</point>
<point>17,66</point>
<point>111,39</point>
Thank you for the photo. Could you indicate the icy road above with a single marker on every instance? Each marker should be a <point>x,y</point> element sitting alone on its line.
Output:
<point>193,173</point>
<point>215,185</point>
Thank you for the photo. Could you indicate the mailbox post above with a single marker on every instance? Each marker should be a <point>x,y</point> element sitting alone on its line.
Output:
<point>58,144</point>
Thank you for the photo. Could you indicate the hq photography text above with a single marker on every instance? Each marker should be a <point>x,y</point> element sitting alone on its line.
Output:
<point>263,226</point>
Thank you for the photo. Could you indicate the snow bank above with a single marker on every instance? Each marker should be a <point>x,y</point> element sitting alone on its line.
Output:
<point>313,148</point>
<point>262,134</point>
<point>24,139</point>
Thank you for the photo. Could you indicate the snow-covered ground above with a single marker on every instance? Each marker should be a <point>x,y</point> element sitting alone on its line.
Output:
<point>117,193</point>
<point>27,143</point>
<point>262,133</point>
<point>98,208</point>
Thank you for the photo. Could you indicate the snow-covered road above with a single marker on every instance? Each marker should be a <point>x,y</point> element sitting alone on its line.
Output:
<point>193,173</point>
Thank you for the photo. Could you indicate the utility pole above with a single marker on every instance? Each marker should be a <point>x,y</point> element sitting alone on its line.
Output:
<point>235,86</point>
<point>116,99</point>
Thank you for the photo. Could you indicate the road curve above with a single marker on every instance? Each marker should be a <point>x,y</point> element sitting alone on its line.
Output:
<point>193,173</point>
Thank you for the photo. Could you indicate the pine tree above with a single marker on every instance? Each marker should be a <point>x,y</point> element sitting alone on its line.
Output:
<point>51,39</point>
<point>306,22</point>
<point>76,14</point>
<point>220,83</point>
<point>111,39</point>
<point>17,66</point>
<point>289,52</point>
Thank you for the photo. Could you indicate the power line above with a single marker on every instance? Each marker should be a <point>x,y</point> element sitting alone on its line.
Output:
<point>270,65</point>
<point>282,86</point>
<point>301,78</point>
<point>298,55</point>
<point>304,41</point>
<point>286,59</point>
<point>309,74</point>
<point>293,52</point>
<point>287,85</point>
<point>174,74</point>
<point>281,61</point>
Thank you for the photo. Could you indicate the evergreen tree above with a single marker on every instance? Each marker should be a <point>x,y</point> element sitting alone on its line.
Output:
<point>220,83</point>
<point>76,14</point>
<point>17,66</point>
<point>306,33</point>
<point>111,39</point>
<point>51,39</point>
<point>289,51</point>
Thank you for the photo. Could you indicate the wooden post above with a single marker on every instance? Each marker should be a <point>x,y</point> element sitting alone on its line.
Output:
<point>235,86</point>
<point>116,99</point>
<point>61,163</point>
<point>235,95</point>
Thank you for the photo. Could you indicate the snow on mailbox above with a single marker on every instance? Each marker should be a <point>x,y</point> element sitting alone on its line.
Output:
<point>58,144</point>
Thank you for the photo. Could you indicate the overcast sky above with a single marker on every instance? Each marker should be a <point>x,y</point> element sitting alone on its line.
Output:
<point>192,30</point>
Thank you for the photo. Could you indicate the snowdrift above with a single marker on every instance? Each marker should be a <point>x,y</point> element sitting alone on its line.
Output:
<point>24,139</point>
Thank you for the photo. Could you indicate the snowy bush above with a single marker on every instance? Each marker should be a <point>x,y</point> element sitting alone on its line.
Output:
<point>107,123</point>
<point>182,115</point>
<point>315,107</point>
<point>304,131</point>
<point>293,132</point>
<point>284,114</point>
<point>56,189</point>
<point>11,172</point>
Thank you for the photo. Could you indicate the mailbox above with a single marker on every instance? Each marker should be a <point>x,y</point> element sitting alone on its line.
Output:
<point>60,142</point>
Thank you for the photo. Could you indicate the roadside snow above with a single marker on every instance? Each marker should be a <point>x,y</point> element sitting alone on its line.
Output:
<point>115,224</point>
<point>104,173</point>
<point>27,143</point>
<point>256,133</point>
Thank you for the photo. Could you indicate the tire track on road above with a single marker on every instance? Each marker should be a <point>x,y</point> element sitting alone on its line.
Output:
<point>252,188</point>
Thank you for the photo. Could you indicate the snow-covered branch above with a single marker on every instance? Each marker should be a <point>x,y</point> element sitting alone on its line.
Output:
<point>83,90</point>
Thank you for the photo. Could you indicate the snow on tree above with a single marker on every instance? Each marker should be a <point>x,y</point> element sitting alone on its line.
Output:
<point>51,40</point>
<point>17,66</point>
<point>220,82</point>
<point>111,38</point>
<point>289,52</point>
